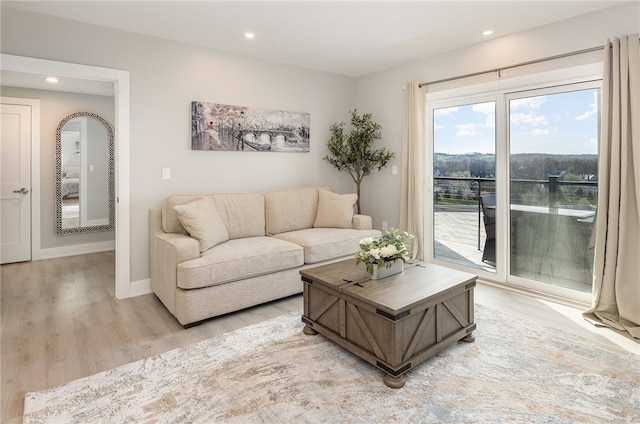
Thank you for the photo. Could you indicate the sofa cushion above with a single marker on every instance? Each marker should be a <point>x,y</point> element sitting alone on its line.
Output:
<point>239,259</point>
<point>291,209</point>
<point>241,213</point>
<point>335,210</point>
<point>323,244</point>
<point>201,220</point>
<point>170,221</point>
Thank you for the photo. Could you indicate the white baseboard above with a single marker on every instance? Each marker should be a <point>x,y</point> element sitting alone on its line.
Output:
<point>77,249</point>
<point>140,287</point>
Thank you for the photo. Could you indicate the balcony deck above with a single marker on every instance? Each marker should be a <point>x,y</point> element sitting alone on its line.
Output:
<point>459,241</point>
<point>457,235</point>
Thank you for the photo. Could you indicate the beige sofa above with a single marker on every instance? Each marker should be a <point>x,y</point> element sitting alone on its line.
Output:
<point>217,253</point>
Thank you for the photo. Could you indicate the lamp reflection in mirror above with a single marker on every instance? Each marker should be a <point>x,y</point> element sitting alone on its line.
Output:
<point>85,190</point>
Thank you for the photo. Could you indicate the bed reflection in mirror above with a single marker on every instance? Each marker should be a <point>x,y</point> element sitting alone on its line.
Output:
<point>84,174</point>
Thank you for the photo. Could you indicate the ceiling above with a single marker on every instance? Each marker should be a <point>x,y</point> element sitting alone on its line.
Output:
<point>350,38</point>
<point>73,85</point>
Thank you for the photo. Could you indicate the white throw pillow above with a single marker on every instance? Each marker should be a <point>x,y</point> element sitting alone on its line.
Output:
<point>202,221</point>
<point>335,210</point>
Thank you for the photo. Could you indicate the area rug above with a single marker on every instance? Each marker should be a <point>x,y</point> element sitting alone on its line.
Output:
<point>515,372</point>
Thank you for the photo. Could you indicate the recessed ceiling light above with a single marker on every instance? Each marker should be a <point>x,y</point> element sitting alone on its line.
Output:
<point>52,80</point>
<point>249,35</point>
<point>487,32</point>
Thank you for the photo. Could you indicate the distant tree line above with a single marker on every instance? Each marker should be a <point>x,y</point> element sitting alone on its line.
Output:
<point>528,166</point>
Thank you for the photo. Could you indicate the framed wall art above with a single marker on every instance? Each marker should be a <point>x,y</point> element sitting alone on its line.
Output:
<point>237,128</point>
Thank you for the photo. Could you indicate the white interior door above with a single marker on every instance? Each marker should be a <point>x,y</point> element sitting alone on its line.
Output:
<point>15,183</point>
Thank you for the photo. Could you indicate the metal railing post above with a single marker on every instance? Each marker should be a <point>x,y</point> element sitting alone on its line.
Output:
<point>479,210</point>
<point>553,193</point>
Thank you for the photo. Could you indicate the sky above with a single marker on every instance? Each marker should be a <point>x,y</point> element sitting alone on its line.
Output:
<point>562,123</point>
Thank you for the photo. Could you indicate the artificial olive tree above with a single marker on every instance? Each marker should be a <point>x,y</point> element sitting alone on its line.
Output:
<point>354,152</point>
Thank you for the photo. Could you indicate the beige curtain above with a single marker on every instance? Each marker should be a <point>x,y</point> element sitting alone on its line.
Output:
<point>616,273</point>
<point>413,157</point>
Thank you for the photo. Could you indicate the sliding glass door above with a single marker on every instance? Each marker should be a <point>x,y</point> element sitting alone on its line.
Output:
<point>553,185</point>
<point>464,164</point>
<point>515,185</point>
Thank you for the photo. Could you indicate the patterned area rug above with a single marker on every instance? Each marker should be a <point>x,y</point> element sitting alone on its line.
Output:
<point>515,372</point>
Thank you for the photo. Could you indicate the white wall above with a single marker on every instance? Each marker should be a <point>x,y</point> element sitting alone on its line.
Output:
<point>164,78</point>
<point>381,92</point>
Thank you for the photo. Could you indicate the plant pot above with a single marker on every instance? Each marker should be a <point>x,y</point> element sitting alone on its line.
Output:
<point>395,268</point>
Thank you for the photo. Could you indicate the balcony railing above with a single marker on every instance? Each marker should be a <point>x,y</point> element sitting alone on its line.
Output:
<point>553,193</point>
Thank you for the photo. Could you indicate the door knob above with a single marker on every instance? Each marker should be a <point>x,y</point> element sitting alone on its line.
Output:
<point>23,190</point>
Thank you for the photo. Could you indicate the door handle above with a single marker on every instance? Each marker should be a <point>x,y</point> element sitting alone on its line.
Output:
<point>23,190</point>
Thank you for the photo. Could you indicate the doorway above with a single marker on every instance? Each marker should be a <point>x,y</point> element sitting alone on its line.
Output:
<point>120,81</point>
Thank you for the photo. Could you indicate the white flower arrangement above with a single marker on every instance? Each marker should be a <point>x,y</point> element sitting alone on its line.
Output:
<point>392,245</point>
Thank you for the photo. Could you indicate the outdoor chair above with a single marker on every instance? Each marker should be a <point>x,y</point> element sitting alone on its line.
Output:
<point>488,203</point>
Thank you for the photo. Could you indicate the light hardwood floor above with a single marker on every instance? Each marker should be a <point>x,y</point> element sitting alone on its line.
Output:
<point>60,322</point>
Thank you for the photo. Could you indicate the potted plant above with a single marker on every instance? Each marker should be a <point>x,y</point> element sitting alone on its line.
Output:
<point>353,152</point>
<point>390,250</point>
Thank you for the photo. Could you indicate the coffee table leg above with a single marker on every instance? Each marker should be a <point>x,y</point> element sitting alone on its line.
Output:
<point>394,382</point>
<point>309,331</point>
<point>468,338</point>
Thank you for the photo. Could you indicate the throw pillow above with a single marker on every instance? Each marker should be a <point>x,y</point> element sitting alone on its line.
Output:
<point>202,221</point>
<point>335,210</point>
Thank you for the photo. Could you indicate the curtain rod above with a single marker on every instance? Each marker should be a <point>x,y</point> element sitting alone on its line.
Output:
<point>498,70</point>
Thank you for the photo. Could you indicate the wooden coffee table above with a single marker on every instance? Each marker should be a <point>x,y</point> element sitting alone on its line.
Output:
<point>394,323</point>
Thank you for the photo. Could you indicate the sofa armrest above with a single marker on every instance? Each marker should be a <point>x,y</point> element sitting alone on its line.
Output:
<point>362,222</point>
<point>180,246</point>
<point>166,251</point>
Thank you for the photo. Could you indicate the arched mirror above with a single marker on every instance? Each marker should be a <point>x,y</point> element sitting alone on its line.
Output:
<point>85,195</point>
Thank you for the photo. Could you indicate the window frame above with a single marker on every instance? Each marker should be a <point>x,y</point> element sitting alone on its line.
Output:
<point>500,91</point>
